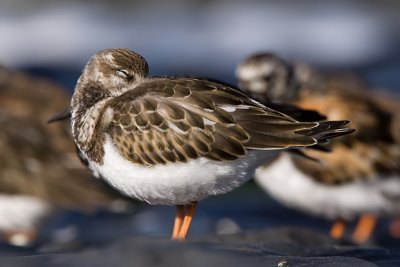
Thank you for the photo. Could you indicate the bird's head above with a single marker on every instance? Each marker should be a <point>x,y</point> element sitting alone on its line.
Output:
<point>267,77</point>
<point>113,70</point>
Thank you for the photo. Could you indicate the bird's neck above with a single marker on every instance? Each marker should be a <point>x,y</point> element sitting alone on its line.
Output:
<point>87,107</point>
<point>87,95</point>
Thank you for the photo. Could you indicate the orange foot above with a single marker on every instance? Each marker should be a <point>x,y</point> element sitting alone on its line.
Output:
<point>394,228</point>
<point>183,219</point>
<point>364,228</point>
<point>338,229</point>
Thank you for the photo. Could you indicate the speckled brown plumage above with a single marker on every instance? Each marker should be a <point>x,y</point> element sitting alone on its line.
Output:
<point>163,120</point>
<point>38,159</point>
<point>390,104</point>
<point>372,149</point>
<point>142,124</point>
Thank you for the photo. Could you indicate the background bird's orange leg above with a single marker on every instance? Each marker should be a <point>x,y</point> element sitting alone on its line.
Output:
<point>179,217</point>
<point>338,229</point>
<point>190,209</point>
<point>364,228</point>
<point>394,228</point>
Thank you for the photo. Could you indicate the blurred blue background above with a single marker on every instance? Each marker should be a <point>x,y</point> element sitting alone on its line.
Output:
<point>54,39</point>
<point>202,38</point>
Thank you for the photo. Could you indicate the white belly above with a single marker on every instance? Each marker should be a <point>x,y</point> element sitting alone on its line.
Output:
<point>178,183</point>
<point>20,212</point>
<point>293,188</point>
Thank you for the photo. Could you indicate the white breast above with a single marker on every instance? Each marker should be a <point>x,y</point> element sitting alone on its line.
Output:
<point>178,183</point>
<point>288,185</point>
<point>21,212</point>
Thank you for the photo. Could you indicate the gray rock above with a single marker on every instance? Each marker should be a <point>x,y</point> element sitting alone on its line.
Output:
<point>280,247</point>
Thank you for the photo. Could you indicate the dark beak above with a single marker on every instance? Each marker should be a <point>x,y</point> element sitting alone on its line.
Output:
<point>63,115</point>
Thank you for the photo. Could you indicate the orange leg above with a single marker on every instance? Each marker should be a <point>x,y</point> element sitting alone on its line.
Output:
<point>364,228</point>
<point>190,209</point>
<point>394,228</point>
<point>180,214</point>
<point>338,229</point>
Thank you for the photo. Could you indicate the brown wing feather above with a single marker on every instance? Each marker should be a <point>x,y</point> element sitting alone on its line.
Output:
<point>174,120</point>
<point>372,151</point>
<point>370,120</point>
<point>347,164</point>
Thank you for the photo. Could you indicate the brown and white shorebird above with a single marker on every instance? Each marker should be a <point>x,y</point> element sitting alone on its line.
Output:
<point>362,174</point>
<point>39,172</point>
<point>175,141</point>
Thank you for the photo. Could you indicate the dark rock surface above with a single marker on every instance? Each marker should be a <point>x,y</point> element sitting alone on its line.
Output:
<point>273,247</point>
<point>264,234</point>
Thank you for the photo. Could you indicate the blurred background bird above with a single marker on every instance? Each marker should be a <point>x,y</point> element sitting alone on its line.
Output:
<point>39,171</point>
<point>361,174</point>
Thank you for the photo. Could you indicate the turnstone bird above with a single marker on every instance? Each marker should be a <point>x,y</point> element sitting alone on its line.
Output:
<point>38,169</point>
<point>360,176</point>
<point>175,141</point>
